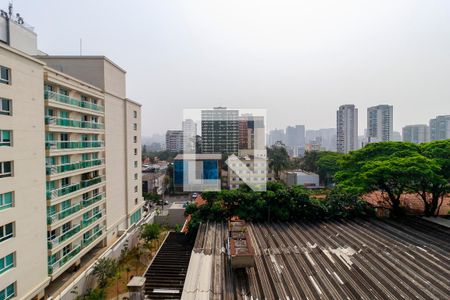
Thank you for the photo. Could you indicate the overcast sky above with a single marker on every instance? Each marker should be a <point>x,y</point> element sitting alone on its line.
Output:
<point>298,59</point>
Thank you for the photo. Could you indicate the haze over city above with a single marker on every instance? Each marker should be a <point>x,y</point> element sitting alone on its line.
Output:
<point>300,60</point>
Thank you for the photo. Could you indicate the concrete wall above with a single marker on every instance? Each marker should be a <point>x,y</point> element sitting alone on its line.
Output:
<point>28,181</point>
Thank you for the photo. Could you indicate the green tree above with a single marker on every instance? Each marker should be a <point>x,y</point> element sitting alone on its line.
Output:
<point>150,232</point>
<point>433,190</point>
<point>344,204</point>
<point>152,197</point>
<point>386,167</point>
<point>327,165</point>
<point>105,269</point>
<point>278,158</point>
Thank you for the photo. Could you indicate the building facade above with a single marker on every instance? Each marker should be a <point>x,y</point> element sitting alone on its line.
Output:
<point>174,140</point>
<point>440,128</point>
<point>276,135</point>
<point>295,136</point>
<point>70,162</point>
<point>220,130</point>
<point>416,133</point>
<point>248,168</point>
<point>347,128</point>
<point>380,123</point>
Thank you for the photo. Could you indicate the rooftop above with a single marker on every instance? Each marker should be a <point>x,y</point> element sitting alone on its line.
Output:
<point>357,259</point>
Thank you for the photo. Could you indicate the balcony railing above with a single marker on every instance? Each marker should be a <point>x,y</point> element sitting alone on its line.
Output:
<point>93,237</point>
<point>50,95</point>
<point>63,237</point>
<point>93,218</point>
<point>63,260</point>
<point>56,169</point>
<point>73,209</point>
<point>50,120</point>
<point>6,205</point>
<point>59,145</point>
<point>73,187</point>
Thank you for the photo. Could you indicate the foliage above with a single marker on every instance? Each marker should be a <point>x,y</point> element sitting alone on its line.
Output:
<point>161,155</point>
<point>105,269</point>
<point>278,203</point>
<point>324,163</point>
<point>396,168</point>
<point>278,158</point>
<point>150,232</point>
<point>94,294</point>
<point>153,197</point>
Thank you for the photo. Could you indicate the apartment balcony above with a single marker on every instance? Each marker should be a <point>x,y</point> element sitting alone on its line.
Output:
<point>65,236</point>
<point>50,95</point>
<point>54,121</point>
<point>92,219</point>
<point>73,145</point>
<point>63,260</point>
<point>79,165</point>
<point>6,205</point>
<point>66,190</point>
<point>52,268</point>
<point>93,237</point>
<point>70,211</point>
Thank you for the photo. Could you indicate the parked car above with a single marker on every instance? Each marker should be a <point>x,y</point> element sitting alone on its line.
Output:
<point>194,195</point>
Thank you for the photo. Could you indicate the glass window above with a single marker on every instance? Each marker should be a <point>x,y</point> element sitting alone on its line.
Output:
<point>5,169</point>
<point>6,232</point>
<point>66,250</point>
<point>135,151</point>
<point>6,263</point>
<point>66,227</point>
<point>6,200</point>
<point>63,91</point>
<point>5,107</point>
<point>135,139</point>
<point>65,159</point>
<point>135,126</point>
<point>48,87</point>
<point>135,114</point>
<point>5,137</point>
<point>9,292</point>
<point>5,75</point>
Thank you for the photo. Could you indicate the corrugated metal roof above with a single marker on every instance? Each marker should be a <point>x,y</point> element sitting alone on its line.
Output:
<point>356,259</point>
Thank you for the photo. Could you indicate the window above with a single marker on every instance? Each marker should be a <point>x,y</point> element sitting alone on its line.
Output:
<point>66,250</point>
<point>136,189</point>
<point>135,164</point>
<point>6,200</point>
<point>6,232</point>
<point>5,107</point>
<point>135,139</point>
<point>6,263</point>
<point>63,91</point>
<point>135,151</point>
<point>135,114</point>
<point>5,138</point>
<point>9,292</point>
<point>135,126</point>
<point>5,75</point>
<point>135,176</point>
<point>135,201</point>
<point>66,227</point>
<point>5,169</point>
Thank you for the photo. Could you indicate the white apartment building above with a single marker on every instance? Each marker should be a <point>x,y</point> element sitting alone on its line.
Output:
<point>70,161</point>
<point>416,133</point>
<point>347,128</point>
<point>380,126</point>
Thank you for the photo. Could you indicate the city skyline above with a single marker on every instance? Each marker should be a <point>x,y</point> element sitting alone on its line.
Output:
<point>273,57</point>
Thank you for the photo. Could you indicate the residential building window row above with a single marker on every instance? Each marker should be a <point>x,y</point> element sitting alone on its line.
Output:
<point>5,76</point>
<point>9,292</point>
<point>6,169</point>
<point>6,200</point>
<point>5,107</point>
<point>5,138</point>
<point>6,232</point>
<point>6,263</point>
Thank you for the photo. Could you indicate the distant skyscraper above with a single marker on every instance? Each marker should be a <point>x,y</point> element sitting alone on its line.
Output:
<point>220,130</point>
<point>380,123</point>
<point>276,135</point>
<point>295,136</point>
<point>251,132</point>
<point>174,140</point>
<point>327,136</point>
<point>416,133</point>
<point>347,128</point>
<point>440,128</point>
